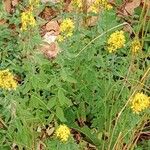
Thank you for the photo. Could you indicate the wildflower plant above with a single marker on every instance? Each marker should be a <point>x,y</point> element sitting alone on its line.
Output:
<point>92,95</point>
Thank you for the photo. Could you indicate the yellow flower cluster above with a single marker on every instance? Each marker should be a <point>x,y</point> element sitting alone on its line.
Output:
<point>77,3</point>
<point>100,4</point>
<point>27,20</point>
<point>66,29</point>
<point>116,41</point>
<point>135,46</point>
<point>63,133</point>
<point>140,102</point>
<point>34,3</point>
<point>7,80</point>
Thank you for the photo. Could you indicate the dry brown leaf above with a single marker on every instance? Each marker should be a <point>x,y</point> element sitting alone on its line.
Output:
<point>2,21</point>
<point>7,5</point>
<point>129,7</point>
<point>48,13</point>
<point>40,145</point>
<point>49,37</point>
<point>50,50</point>
<point>147,3</point>
<point>128,29</point>
<point>92,21</point>
<point>15,2</point>
<point>50,131</point>
<point>53,26</point>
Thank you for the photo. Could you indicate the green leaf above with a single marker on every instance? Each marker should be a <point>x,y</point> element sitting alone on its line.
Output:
<point>63,99</point>
<point>82,111</point>
<point>52,82</point>
<point>52,102</point>
<point>60,114</point>
<point>71,80</point>
<point>63,75</point>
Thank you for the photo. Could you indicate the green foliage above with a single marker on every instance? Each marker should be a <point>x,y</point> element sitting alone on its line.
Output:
<point>85,91</point>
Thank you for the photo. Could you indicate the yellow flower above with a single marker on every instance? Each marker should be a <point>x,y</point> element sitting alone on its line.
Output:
<point>27,19</point>
<point>34,3</point>
<point>135,46</point>
<point>7,80</point>
<point>97,5</point>
<point>77,3</point>
<point>60,38</point>
<point>66,28</point>
<point>109,7</point>
<point>63,133</point>
<point>94,9</point>
<point>116,41</point>
<point>139,102</point>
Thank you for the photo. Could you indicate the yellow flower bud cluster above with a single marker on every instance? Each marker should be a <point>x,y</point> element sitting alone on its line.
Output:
<point>140,102</point>
<point>27,17</point>
<point>77,3</point>
<point>135,46</point>
<point>66,29</point>
<point>116,41</point>
<point>27,20</point>
<point>97,5</point>
<point>34,3</point>
<point>7,80</point>
<point>63,133</point>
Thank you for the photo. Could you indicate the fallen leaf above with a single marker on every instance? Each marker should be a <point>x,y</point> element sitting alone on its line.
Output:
<point>7,5</point>
<point>147,3</point>
<point>128,29</point>
<point>15,2</point>
<point>92,21</point>
<point>40,145</point>
<point>50,50</point>
<point>49,37</point>
<point>50,131</point>
<point>129,7</point>
<point>2,21</point>
<point>53,26</point>
<point>48,13</point>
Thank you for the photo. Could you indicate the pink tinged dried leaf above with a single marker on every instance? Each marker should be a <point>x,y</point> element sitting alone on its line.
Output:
<point>129,7</point>
<point>7,5</point>
<point>53,26</point>
<point>49,37</point>
<point>92,21</point>
<point>50,50</point>
<point>15,2</point>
